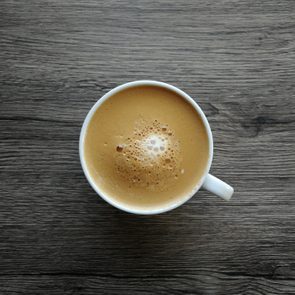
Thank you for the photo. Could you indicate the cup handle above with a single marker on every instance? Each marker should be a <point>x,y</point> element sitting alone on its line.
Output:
<point>218,187</point>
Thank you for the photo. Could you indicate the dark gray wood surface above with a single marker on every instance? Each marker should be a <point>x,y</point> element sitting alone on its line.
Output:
<point>236,58</point>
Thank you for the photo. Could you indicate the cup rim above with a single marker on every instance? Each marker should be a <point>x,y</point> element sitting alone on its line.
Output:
<point>104,195</point>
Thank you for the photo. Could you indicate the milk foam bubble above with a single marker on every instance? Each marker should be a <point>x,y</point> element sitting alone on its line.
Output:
<point>150,157</point>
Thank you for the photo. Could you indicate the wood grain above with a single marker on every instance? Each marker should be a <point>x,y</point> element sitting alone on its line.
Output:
<point>235,58</point>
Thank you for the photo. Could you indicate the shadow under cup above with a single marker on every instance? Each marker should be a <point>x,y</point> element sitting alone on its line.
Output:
<point>109,147</point>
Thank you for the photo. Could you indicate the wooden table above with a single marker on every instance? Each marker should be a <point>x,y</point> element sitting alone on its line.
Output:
<point>236,58</point>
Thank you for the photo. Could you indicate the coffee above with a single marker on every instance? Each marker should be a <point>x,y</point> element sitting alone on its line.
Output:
<point>146,147</point>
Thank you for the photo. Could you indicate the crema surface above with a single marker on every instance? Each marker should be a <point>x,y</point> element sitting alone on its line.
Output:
<point>146,147</point>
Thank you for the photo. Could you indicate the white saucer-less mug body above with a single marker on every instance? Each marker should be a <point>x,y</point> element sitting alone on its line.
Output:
<point>207,181</point>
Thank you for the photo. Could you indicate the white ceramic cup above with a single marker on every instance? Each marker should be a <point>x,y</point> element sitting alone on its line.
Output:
<point>207,181</point>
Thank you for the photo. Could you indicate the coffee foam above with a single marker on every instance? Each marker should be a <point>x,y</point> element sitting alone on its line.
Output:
<point>154,145</point>
<point>150,157</point>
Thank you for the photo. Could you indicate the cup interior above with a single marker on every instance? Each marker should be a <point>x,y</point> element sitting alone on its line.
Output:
<point>121,205</point>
